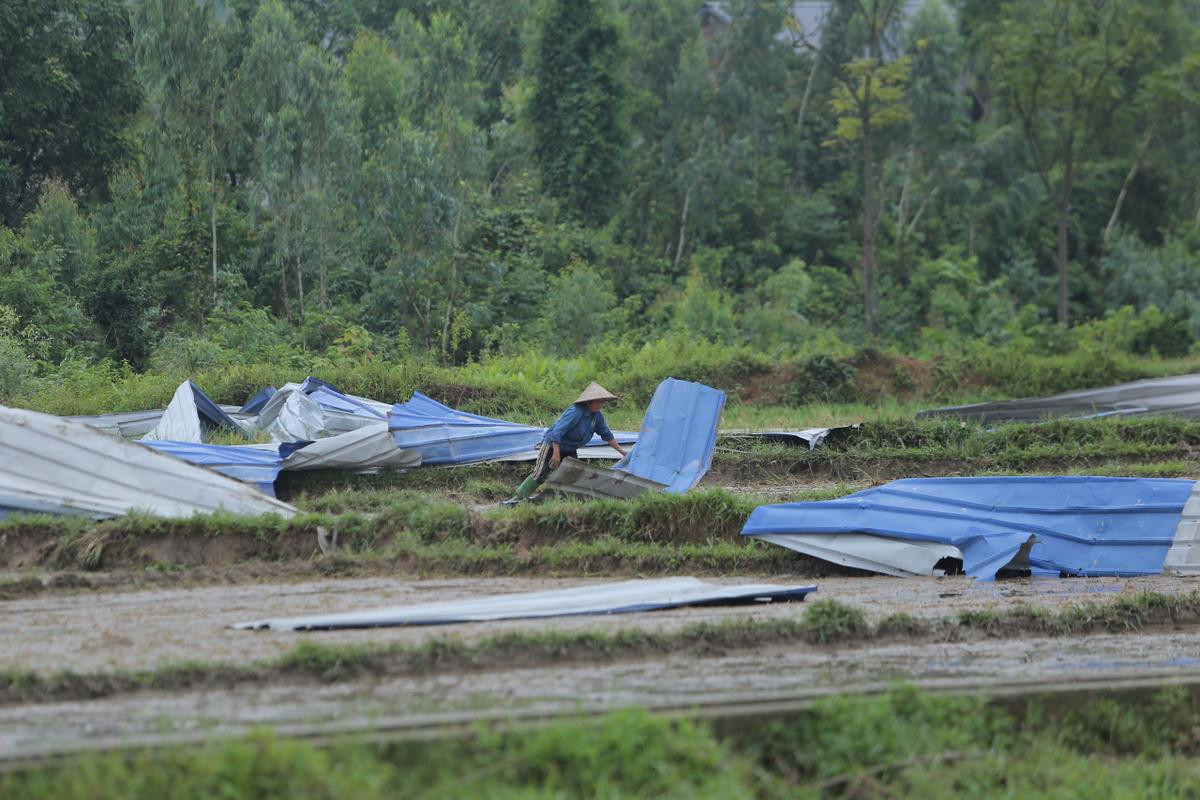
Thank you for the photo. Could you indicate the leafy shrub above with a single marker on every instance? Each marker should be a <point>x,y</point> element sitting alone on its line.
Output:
<point>823,378</point>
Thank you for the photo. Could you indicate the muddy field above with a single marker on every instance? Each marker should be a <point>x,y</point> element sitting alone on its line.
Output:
<point>147,614</point>
<point>99,631</point>
<point>89,631</point>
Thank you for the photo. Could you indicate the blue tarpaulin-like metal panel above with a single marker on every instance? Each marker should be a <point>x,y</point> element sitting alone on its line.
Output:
<point>679,432</point>
<point>445,435</point>
<point>247,463</point>
<point>260,398</point>
<point>1076,525</point>
<point>330,398</point>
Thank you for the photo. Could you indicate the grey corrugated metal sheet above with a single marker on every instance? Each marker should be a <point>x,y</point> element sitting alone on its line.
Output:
<point>812,437</point>
<point>189,414</point>
<point>586,480</point>
<point>136,424</point>
<point>55,465</point>
<point>898,557</point>
<point>1184,556</point>
<point>1178,395</point>
<point>368,449</point>
<point>607,598</point>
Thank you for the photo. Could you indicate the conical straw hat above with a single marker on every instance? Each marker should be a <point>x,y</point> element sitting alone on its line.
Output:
<point>595,391</point>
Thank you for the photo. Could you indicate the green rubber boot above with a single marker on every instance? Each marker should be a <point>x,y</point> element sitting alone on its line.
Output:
<point>523,491</point>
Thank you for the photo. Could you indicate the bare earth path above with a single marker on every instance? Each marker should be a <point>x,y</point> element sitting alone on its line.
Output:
<point>101,631</point>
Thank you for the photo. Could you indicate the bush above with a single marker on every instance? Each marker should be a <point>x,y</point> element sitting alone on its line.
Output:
<point>823,379</point>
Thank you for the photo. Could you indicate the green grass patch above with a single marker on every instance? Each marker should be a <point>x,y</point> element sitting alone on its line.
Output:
<point>902,744</point>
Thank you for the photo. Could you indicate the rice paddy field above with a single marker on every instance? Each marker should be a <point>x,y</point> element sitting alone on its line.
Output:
<point>120,675</point>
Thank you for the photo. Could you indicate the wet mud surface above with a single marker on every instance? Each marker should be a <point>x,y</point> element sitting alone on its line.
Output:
<point>680,679</point>
<point>100,631</point>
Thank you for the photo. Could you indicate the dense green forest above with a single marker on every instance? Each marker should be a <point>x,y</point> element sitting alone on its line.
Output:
<point>191,183</point>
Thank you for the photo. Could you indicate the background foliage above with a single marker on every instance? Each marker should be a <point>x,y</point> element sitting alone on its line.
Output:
<point>188,184</point>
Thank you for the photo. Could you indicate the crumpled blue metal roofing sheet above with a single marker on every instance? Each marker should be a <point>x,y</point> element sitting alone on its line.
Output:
<point>254,464</point>
<point>1078,525</point>
<point>329,397</point>
<point>445,435</point>
<point>679,432</point>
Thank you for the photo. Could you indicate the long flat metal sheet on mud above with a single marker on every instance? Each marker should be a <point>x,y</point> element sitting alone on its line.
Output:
<point>1178,395</point>
<point>607,598</point>
<point>679,432</point>
<point>1071,525</point>
<point>587,480</point>
<point>56,465</point>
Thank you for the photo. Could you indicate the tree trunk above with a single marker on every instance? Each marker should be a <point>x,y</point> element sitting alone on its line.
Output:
<point>212,175</point>
<point>300,287</point>
<point>452,295</point>
<point>1064,210</point>
<point>1129,176</point>
<point>321,261</point>
<point>300,301</point>
<point>868,231</point>
<point>283,292</point>
<point>808,87</point>
<point>687,201</point>
<point>1064,218</point>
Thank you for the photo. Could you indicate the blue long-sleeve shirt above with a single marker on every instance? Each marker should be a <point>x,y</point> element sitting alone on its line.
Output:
<point>576,426</point>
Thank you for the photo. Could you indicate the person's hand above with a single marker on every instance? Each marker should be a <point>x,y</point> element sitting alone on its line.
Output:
<point>555,460</point>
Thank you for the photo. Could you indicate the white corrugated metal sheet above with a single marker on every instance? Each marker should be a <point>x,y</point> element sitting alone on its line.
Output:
<point>55,465</point>
<point>1184,556</point>
<point>902,558</point>
<point>607,598</point>
<point>180,421</point>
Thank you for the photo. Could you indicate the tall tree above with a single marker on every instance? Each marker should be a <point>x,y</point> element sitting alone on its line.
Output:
<point>869,97</point>
<point>306,147</point>
<point>67,92</point>
<point>579,106</point>
<point>183,58</point>
<point>421,185</point>
<point>1059,68</point>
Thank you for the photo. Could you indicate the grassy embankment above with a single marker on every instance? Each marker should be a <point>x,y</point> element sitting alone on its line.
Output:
<point>424,522</point>
<point>902,744</point>
<point>813,390</point>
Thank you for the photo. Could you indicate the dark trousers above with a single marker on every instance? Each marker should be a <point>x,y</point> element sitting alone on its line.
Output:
<point>541,469</point>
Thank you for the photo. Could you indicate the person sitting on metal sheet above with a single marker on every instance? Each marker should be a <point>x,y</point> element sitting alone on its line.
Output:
<point>574,429</point>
